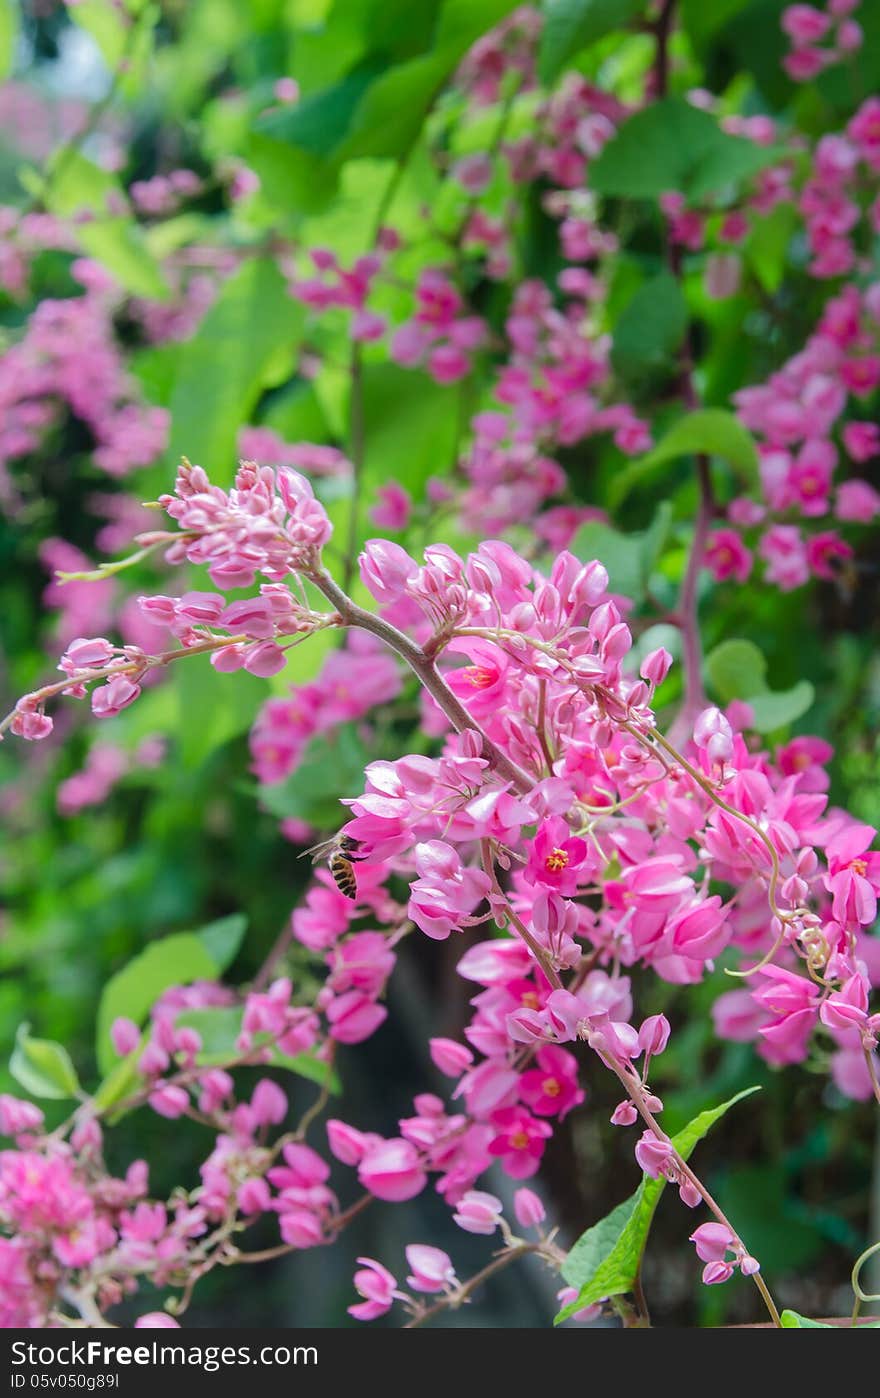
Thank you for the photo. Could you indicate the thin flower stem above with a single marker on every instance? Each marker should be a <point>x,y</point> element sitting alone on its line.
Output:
<point>350,614</point>
<point>635,1092</point>
<point>463,1293</point>
<point>542,957</point>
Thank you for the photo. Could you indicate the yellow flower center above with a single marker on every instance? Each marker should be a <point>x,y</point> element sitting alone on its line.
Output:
<point>556,861</point>
<point>519,1140</point>
<point>551,1087</point>
<point>478,676</point>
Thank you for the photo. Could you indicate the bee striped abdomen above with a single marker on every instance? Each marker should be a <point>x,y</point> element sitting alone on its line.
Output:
<point>343,873</point>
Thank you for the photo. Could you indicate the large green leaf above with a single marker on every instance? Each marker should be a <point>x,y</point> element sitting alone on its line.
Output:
<point>605,1260</point>
<point>710,432</point>
<point>671,145</point>
<point>229,361</point>
<point>570,25</point>
<point>650,328</point>
<point>176,960</point>
<point>43,1067</point>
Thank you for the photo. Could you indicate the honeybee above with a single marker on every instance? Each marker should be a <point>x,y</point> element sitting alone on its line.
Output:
<point>339,853</point>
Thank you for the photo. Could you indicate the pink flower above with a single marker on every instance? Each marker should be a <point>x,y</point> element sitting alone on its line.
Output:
<point>551,1089</point>
<point>156,1320</point>
<point>394,507</point>
<point>431,1269</point>
<point>393,1171</point>
<point>478,1212</point>
<point>520,1141</point>
<point>858,501</point>
<point>853,877</point>
<point>378,1288</point>
<point>445,893</point>
<point>556,857</point>
<point>804,24</point>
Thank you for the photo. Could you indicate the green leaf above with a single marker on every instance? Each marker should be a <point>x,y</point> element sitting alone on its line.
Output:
<point>629,558</point>
<point>219,1028</point>
<point>593,1248</point>
<point>605,1260</point>
<point>330,765</point>
<point>228,363</point>
<point>75,185</point>
<point>43,1067</point>
<point>320,122</point>
<point>737,670</point>
<point>175,960</point>
<point>650,328</point>
<point>222,939</point>
<point>792,1321</point>
<point>8,36</point>
<point>390,115</point>
<point>710,431</point>
<point>671,145</point>
<point>779,708</point>
<point>570,25</point>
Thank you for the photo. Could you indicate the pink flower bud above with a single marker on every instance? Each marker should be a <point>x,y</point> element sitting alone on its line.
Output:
<point>450,1057</point>
<point>624,1114</point>
<point>125,1036</point>
<point>377,1286</point>
<point>654,1035</point>
<point>529,1210</point>
<point>348,1144</point>
<point>478,1212</point>
<point>156,1320</point>
<point>393,1171</point>
<point>268,1103</point>
<point>715,1272</point>
<point>432,1269</point>
<point>301,1228</point>
<point>655,667</point>
<point>652,1154</point>
<point>169,1101</point>
<point>712,1241</point>
<point>17,1116</point>
<point>254,1197</point>
<point>111,698</point>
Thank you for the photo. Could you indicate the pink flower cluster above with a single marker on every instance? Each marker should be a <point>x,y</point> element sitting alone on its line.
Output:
<point>68,357</point>
<point>351,683</point>
<point>270,523</point>
<point>820,37</point>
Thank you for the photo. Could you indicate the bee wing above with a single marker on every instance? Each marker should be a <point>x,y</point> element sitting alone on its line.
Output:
<point>320,851</point>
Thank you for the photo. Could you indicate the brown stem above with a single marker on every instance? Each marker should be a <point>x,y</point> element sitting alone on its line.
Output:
<point>350,614</point>
<point>466,1290</point>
